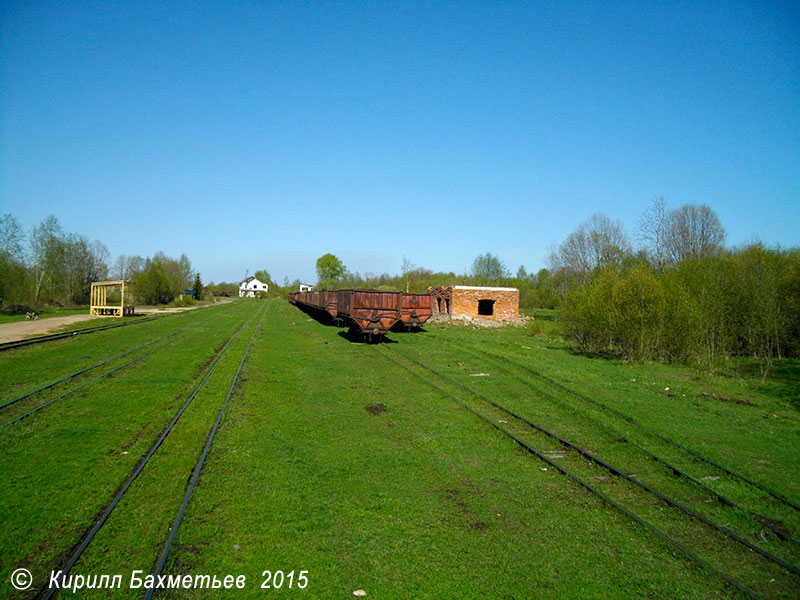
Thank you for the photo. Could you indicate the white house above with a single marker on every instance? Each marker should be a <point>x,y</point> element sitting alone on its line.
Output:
<point>306,287</point>
<point>251,286</point>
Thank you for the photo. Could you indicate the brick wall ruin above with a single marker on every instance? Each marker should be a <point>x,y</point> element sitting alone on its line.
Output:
<point>476,302</point>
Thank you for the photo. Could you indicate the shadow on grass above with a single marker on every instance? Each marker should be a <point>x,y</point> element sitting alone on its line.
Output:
<point>575,351</point>
<point>353,335</point>
<point>783,380</point>
<point>356,337</point>
<point>320,316</point>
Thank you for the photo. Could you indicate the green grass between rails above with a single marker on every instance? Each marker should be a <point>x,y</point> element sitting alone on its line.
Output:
<point>334,459</point>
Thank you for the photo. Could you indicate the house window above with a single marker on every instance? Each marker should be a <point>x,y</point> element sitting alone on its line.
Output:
<point>486,307</point>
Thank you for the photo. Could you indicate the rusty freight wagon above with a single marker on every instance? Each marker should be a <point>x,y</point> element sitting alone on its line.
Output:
<point>322,301</point>
<point>328,301</point>
<point>415,309</point>
<point>369,311</point>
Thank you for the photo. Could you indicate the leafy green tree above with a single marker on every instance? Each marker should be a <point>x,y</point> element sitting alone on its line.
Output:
<point>762,313</point>
<point>330,270</point>
<point>161,279</point>
<point>263,275</point>
<point>197,287</point>
<point>488,268</point>
<point>547,296</point>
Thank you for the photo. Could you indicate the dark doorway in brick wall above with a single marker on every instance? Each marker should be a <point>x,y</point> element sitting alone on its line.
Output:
<point>486,307</point>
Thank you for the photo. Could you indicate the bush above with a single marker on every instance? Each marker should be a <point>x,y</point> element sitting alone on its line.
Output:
<point>745,303</point>
<point>182,302</point>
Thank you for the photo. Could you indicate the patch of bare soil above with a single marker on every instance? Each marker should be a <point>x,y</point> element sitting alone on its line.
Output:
<point>731,400</point>
<point>160,310</point>
<point>11,332</point>
<point>522,321</point>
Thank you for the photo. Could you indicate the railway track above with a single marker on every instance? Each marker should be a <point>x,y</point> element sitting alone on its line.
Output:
<point>199,467</point>
<point>166,339</point>
<point>779,508</point>
<point>704,540</point>
<point>91,533</point>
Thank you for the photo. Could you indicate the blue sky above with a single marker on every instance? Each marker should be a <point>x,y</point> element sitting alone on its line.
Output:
<point>263,134</point>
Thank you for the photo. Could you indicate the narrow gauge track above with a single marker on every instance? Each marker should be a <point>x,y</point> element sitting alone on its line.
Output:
<point>93,379</point>
<point>92,532</point>
<point>503,362</point>
<point>199,467</point>
<point>68,334</point>
<point>543,455</point>
<point>96,365</point>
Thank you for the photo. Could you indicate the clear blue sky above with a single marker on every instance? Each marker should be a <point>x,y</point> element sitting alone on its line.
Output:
<point>265,134</point>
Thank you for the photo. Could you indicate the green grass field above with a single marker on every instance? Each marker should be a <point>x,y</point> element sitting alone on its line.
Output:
<point>349,466</point>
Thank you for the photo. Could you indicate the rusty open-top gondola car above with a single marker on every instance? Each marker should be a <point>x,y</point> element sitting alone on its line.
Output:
<point>369,312</point>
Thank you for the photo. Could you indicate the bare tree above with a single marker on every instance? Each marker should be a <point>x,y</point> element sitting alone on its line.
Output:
<point>47,245</point>
<point>83,263</point>
<point>12,267</point>
<point>693,232</point>
<point>186,271</point>
<point>11,238</point>
<point>118,270</point>
<point>133,266</point>
<point>408,269</point>
<point>597,242</point>
<point>653,230</point>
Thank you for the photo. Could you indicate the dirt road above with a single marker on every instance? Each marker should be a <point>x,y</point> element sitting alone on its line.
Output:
<point>11,332</point>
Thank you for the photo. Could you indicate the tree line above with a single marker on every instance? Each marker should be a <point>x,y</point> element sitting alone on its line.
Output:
<point>681,296</point>
<point>53,267</point>
<point>678,295</point>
